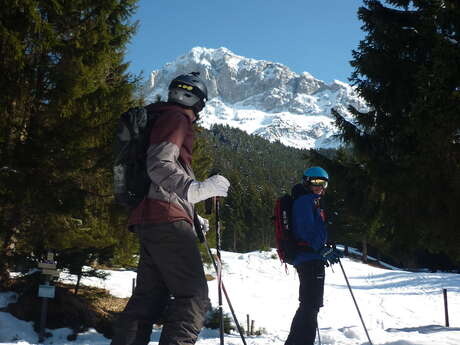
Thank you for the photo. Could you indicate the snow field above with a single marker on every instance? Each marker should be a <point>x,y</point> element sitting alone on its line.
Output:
<point>399,307</point>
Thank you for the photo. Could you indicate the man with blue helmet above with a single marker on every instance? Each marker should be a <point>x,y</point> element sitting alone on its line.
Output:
<point>309,228</point>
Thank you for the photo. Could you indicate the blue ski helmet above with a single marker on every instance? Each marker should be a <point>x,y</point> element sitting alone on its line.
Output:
<point>315,173</point>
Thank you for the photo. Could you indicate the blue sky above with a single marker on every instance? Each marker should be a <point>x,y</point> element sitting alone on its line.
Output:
<point>316,36</point>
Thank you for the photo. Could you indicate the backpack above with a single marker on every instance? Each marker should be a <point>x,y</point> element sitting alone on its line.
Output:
<point>286,244</point>
<point>130,179</point>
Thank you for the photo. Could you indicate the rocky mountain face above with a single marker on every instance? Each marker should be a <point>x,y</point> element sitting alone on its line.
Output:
<point>262,97</point>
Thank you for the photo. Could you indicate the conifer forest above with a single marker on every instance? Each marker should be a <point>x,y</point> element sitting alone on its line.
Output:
<point>395,183</point>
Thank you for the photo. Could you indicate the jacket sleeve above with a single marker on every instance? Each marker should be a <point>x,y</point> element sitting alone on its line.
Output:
<point>163,165</point>
<point>308,226</point>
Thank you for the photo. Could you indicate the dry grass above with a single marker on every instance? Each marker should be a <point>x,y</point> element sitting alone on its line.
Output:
<point>111,304</point>
<point>99,297</point>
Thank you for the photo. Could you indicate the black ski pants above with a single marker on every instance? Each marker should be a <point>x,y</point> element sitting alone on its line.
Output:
<point>171,288</point>
<point>311,292</point>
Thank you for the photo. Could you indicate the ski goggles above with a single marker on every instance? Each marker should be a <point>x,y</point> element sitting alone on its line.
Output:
<point>318,182</point>
<point>185,86</point>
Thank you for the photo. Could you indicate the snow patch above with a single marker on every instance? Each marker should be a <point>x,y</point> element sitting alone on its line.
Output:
<point>399,307</point>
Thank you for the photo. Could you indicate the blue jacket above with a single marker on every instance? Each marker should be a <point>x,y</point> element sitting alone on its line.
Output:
<point>308,225</point>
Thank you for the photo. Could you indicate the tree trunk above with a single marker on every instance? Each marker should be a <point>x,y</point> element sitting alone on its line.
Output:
<point>4,274</point>
<point>7,248</point>
<point>77,285</point>
<point>364,256</point>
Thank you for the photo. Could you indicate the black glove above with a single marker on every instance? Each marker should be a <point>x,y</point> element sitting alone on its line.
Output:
<point>330,255</point>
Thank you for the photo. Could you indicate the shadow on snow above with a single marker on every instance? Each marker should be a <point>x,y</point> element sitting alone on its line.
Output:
<point>422,283</point>
<point>425,329</point>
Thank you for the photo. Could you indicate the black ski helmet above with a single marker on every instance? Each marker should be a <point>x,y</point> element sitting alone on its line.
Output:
<point>189,91</point>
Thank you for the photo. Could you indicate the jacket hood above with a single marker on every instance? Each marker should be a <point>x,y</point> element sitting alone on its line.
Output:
<point>166,107</point>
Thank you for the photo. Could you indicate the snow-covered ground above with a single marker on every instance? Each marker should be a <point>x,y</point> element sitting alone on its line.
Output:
<point>399,307</point>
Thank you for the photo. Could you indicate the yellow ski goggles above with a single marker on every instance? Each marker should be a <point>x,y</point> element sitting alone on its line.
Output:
<point>185,86</point>
<point>318,182</point>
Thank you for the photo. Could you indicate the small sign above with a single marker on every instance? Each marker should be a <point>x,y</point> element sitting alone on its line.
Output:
<point>47,265</point>
<point>53,273</point>
<point>46,291</point>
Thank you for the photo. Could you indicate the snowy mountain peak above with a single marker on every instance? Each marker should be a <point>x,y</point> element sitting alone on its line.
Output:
<point>262,97</point>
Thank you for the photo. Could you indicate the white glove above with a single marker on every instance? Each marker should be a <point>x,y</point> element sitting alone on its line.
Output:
<point>215,185</point>
<point>204,224</point>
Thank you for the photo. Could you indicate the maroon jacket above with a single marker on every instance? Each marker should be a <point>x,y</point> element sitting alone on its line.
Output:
<point>169,159</point>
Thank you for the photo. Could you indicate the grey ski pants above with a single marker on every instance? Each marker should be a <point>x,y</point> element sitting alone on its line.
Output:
<point>171,288</point>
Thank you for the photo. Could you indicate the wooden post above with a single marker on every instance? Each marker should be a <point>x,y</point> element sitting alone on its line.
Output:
<point>248,330</point>
<point>364,256</point>
<point>44,311</point>
<point>48,271</point>
<point>446,310</point>
<point>252,327</point>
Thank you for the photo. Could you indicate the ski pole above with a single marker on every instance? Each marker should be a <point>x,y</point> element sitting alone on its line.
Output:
<point>240,330</point>
<point>219,271</point>
<point>202,239</point>
<point>356,304</point>
<point>319,337</point>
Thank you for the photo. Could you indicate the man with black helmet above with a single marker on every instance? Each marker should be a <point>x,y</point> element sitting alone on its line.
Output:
<point>171,284</point>
<point>309,228</point>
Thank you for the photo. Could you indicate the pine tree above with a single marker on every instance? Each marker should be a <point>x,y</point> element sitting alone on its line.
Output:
<point>202,166</point>
<point>258,172</point>
<point>407,70</point>
<point>232,213</point>
<point>64,85</point>
<point>352,204</point>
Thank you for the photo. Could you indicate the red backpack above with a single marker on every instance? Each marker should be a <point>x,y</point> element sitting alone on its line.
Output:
<point>286,244</point>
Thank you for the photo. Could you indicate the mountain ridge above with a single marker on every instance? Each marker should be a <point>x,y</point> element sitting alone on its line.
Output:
<point>262,97</point>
